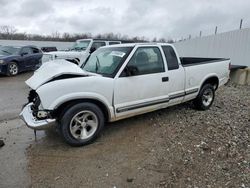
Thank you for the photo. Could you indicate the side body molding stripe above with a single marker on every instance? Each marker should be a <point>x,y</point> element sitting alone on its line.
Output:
<point>191,91</point>
<point>155,102</point>
<point>141,105</point>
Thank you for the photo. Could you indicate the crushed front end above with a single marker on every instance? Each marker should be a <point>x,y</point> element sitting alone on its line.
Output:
<point>34,115</point>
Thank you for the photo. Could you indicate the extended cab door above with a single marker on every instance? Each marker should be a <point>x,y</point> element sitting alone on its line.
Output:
<point>143,85</point>
<point>176,75</point>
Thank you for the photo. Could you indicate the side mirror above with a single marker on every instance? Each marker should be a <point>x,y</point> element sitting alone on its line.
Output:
<point>131,71</point>
<point>92,49</point>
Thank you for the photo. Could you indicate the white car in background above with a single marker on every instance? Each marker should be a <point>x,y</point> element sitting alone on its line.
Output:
<point>79,52</point>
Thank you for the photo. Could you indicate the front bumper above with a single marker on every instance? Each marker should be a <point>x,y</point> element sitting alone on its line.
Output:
<point>3,69</point>
<point>27,116</point>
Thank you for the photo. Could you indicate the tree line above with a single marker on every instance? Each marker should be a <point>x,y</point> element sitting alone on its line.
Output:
<point>11,33</point>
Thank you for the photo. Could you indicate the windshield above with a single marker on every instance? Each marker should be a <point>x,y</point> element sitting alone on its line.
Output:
<point>80,45</point>
<point>8,50</point>
<point>105,61</point>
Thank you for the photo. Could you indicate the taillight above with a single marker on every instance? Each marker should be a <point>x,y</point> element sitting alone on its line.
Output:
<point>229,66</point>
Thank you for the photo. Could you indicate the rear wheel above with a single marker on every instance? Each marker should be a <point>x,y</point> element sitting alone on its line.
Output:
<point>13,69</point>
<point>205,97</point>
<point>81,124</point>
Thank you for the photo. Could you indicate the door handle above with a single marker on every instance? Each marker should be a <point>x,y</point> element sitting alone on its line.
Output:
<point>165,79</point>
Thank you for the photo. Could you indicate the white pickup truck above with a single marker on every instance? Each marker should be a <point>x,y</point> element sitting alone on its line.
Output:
<point>79,52</point>
<point>117,82</point>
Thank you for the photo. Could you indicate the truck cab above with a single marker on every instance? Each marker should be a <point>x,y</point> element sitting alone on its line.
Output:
<point>79,51</point>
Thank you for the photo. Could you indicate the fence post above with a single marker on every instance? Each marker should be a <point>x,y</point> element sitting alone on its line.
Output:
<point>241,21</point>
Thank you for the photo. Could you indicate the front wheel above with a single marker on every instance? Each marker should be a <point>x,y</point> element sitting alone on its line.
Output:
<point>205,97</point>
<point>81,124</point>
<point>12,69</point>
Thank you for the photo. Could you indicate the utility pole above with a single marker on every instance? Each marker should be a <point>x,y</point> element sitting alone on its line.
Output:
<point>200,33</point>
<point>241,21</point>
<point>189,36</point>
<point>216,28</point>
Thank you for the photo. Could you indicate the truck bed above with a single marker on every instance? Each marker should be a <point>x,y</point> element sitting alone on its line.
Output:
<point>197,70</point>
<point>189,61</point>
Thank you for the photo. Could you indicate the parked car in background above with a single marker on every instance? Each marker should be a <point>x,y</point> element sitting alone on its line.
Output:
<point>15,59</point>
<point>117,82</point>
<point>80,50</point>
<point>49,49</point>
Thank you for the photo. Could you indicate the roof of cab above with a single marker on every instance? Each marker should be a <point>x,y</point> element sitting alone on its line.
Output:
<point>96,39</point>
<point>135,44</point>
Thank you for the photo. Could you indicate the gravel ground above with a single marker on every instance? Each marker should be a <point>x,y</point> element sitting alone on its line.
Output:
<point>174,147</point>
<point>202,148</point>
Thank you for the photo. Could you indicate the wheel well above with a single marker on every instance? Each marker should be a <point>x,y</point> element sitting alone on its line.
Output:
<point>63,107</point>
<point>14,61</point>
<point>212,80</point>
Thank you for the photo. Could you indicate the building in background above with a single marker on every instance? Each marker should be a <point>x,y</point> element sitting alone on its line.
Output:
<point>233,44</point>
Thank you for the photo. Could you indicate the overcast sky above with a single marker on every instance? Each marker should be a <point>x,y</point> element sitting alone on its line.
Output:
<point>150,18</point>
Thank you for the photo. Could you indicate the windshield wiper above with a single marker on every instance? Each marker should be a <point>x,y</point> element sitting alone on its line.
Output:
<point>97,64</point>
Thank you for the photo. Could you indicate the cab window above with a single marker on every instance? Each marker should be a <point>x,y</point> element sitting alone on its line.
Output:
<point>171,57</point>
<point>146,60</point>
<point>112,43</point>
<point>97,45</point>
<point>35,50</point>
<point>26,51</point>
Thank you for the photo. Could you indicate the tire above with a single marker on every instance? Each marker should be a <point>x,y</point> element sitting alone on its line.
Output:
<point>205,97</point>
<point>81,124</point>
<point>13,69</point>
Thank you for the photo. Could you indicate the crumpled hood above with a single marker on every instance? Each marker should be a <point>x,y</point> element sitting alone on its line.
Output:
<point>53,69</point>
